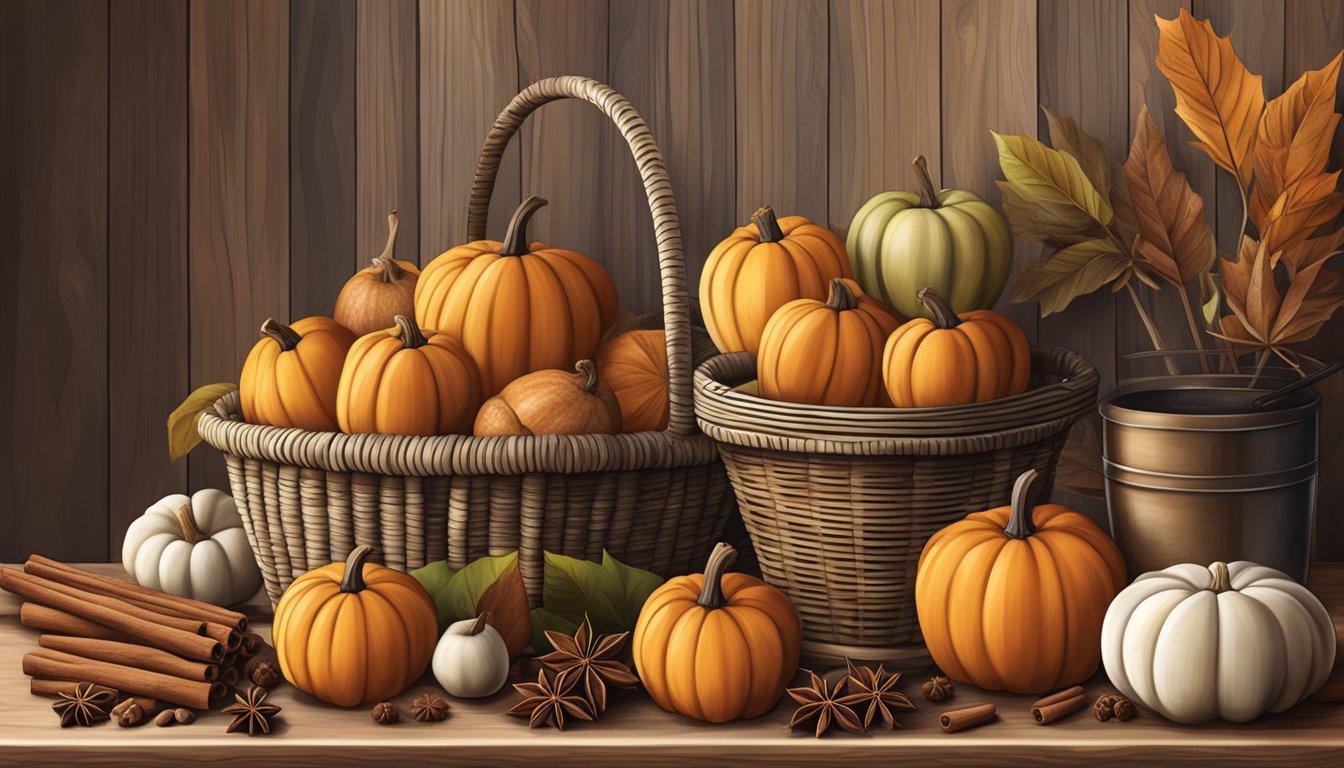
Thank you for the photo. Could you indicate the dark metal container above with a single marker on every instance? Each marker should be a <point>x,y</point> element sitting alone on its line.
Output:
<point>1195,475</point>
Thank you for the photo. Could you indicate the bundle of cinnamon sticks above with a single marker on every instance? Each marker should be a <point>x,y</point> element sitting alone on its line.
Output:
<point>127,637</point>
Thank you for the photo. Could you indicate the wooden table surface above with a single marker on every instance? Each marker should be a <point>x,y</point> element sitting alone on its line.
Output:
<point>634,731</point>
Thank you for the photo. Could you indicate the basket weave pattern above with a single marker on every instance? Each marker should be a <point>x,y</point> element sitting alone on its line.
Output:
<point>840,501</point>
<point>656,500</point>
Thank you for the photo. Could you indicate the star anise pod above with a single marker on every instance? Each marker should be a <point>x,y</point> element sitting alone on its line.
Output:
<point>824,703</point>
<point>251,711</point>
<point>85,706</point>
<point>594,659</point>
<point>429,708</point>
<point>550,698</point>
<point>877,690</point>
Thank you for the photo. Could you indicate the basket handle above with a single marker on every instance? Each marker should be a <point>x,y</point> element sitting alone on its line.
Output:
<point>658,189</point>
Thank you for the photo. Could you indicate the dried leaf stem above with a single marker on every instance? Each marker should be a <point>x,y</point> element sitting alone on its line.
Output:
<point>1153,334</point>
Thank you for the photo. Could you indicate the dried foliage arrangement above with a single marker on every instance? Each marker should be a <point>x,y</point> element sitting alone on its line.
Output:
<point>1112,224</point>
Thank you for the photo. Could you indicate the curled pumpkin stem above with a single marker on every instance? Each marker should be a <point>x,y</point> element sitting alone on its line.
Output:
<point>943,314</point>
<point>588,371</point>
<point>1020,522</point>
<point>515,238</point>
<point>842,297</point>
<point>768,224</point>
<point>711,594</point>
<point>392,271</point>
<point>353,578</point>
<point>285,336</point>
<point>928,194</point>
<point>410,333</point>
<point>191,532</point>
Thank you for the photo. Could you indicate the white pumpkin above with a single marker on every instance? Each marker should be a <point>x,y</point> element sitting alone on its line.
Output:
<point>193,547</point>
<point>1231,640</point>
<point>471,660</point>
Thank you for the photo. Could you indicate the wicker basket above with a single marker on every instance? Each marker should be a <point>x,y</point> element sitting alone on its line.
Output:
<point>656,500</point>
<point>839,501</point>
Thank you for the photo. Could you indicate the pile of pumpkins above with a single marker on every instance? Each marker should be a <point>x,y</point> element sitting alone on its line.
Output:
<point>784,289</point>
<point>492,338</point>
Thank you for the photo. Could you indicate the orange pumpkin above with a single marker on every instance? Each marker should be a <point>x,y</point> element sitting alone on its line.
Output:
<point>552,403</point>
<point>350,633</point>
<point>955,359</point>
<point>517,308</point>
<point>1014,598</point>
<point>403,381</point>
<point>290,377</point>
<point>760,268</point>
<point>379,292</point>
<point>827,353</point>
<point>717,646</point>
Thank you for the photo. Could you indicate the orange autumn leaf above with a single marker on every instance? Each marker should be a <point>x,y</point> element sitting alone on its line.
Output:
<point>1261,316</point>
<point>1175,239</point>
<point>1216,96</point>
<point>1294,137</point>
<point>1301,210</point>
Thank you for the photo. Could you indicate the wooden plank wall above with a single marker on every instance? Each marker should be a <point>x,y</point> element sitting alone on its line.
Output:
<point>185,168</point>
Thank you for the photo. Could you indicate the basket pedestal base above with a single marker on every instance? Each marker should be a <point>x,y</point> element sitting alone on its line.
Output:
<point>904,658</point>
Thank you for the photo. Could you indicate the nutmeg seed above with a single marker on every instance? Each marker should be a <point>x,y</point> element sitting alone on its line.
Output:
<point>385,713</point>
<point>184,716</point>
<point>165,718</point>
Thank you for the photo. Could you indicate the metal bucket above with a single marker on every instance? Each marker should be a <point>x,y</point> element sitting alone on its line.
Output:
<point>1195,475</point>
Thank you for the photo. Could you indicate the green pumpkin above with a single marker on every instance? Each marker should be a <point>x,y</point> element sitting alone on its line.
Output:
<point>951,241</point>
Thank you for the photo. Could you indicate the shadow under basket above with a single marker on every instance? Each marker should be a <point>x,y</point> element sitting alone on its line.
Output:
<point>840,501</point>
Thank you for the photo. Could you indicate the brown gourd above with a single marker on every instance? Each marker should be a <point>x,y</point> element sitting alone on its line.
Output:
<point>379,292</point>
<point>552,402</point>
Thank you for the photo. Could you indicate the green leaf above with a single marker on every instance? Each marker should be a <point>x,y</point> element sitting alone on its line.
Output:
<point>1069,273</point>
<point>435,578</point>
<point>1048,177</point>
<point>611,593</point>
<point>543,620</point>
<point>182,434</point>
<point>465,589</point>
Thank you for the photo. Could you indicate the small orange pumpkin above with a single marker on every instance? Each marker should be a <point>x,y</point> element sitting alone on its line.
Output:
<point>848,331</point>
<point>376,294</point>
<point>1014,598</point>
<point>760,268</point>
<point>350,633</point>
<point>951,360</point>
<point>717,646</point>
<point>552,403</point>
<point>516,307</point>
<point>403,381</point>
<point>291,375</point>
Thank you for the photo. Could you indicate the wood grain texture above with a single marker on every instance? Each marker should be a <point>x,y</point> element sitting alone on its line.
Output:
<point>782,106</point>
<point>387,143</point>
<point>147,321</point>
<point>239,189</point>
<point>468,74</point>
<point>633,730</point>
<point>53,304</point>
<point>989,84</point>
<point>322,154</point>
<point>882,113</point>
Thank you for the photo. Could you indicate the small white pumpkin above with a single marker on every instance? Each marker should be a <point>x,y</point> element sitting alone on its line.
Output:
<point>1231,640</point>
<point>193,547</point>
<point>471,660</point>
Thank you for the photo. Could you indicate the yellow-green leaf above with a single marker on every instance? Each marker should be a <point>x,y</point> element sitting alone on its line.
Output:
<point>1066,136</point>
<point>1059,225</point>
<point>1047,177</point>
<point>182,434</point>
<point>1069,273</point>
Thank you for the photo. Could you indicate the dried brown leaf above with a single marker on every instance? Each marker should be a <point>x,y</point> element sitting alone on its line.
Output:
<point>509,611</point>
<point>1126,221</point>
<point>1056,225</point>
<point>1301,210</point>
<point>1294,137</point>
<point>1066,136</point>
<point>1216,95</point>
<point>1070,272</point>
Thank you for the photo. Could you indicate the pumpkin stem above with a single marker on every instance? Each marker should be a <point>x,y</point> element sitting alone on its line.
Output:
<point>842,297</point>
<point>285,336</point>
<point>928,194</point>
<point>588,370</point>
<point>1020,524</point>
<point>392,271</point>
<point>515,238</point>
<point>1222,580</point>
<point>711,594</point>
<point>353,580</point>
<point>191,532</point>
<point>768,224</point>
<point>411,337</point>
<point>943,314</point>
<point>479,626</point>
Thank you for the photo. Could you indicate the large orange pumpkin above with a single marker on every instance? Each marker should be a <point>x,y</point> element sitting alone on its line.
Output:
<point>405,381</point>
<point>290,377</point>
<point>1014,598</point>
<point>951,359</point>
<point>827,353</point>
<point>760,268</point>
<point>516,307</point>
<point>350,633</point>
<point>552,402</point>
<point>379,292</point>
<point>717,646</point>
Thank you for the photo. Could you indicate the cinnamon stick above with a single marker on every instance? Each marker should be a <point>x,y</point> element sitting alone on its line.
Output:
<point>1045,714</point>
<point>186,625</point>
<point>35,616</point>
<point>1055,698</point>
<point>45,686</point>
<point>189,693</point>
<point>967,717</point>
<point>181,607</point>
<point>186,644</point>
<point>138,656</point>
<point>230,676</point>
